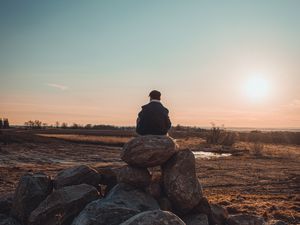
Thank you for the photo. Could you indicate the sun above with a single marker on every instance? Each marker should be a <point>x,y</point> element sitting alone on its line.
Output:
<point>257,87</point>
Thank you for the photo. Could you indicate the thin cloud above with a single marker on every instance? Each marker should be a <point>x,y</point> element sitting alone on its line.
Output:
<point>58,86</point>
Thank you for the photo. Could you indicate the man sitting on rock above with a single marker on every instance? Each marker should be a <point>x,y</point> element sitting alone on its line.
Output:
<point>154,117</point>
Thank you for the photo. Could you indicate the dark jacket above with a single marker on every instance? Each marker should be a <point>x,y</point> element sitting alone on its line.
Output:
<point>153,119</point>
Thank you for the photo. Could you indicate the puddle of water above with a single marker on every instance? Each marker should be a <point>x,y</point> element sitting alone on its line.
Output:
<point>62,161</point>
<point>209,155</point>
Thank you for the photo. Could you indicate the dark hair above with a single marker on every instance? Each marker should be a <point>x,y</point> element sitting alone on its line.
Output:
<point>155,95</point>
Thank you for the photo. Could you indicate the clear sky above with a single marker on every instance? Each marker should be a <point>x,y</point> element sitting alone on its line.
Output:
<point>232,62</point>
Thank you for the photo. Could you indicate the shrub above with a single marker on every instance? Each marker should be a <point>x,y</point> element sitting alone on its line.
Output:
<point>214,135</point>
<point>257,148</point>
<point>220,136</point>
<point>229,138</point>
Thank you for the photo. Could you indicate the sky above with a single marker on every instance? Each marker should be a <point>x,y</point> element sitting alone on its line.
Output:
<point>233,63</point>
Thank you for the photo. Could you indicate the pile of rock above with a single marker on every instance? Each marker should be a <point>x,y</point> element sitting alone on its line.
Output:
<point>133,194</point>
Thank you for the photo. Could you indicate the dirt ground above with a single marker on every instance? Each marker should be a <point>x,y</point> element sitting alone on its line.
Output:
<point>266,183</point>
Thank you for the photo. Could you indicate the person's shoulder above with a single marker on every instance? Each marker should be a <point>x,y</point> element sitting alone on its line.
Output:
<point>145,106</point>
<point>166,110</point>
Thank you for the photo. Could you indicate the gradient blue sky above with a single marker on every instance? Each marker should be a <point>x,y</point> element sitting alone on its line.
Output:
<point>96,61</point>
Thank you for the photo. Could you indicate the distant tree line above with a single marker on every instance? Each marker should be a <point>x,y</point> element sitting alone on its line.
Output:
<point>4,123</point>
<point>36,124</point>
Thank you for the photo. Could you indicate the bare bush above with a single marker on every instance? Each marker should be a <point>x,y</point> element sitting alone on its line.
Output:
<point>257,148</point>
<point>229,138</point>
<point>220,136</point>
<point>214,135</point>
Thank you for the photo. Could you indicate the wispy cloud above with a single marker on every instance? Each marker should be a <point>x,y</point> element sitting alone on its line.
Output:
<point>58,86</point>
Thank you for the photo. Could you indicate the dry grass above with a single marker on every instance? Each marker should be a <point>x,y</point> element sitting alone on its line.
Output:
<point>266,185</point>
<point>106,140</point>
<point>191,143</point>
<point>272,150</point>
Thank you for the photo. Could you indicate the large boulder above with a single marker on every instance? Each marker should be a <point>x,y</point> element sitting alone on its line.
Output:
<point>180,181</point>
<point>6,220</point>
<point>155,217</point>
<point>245,219</point>
<point>32,189</point>
<point>196,219</point>
<point>101,212</point>
<point>6,203</point>
<point>77,175</point>
<point>63,205</point>
<point>128,196</point>
<point>135,176</point>
<point>148,150</point>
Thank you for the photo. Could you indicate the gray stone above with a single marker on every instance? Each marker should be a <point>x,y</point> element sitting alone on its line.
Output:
<point>128,196</point>
<point>155,217</point>
<point>276,222</point>
<point>245,219</point>
<point>6,203</point>
<point>77,175</point>
<point>32,189</point>
<point>63,205</point>
<point>148,150</point>
<point>6,220</point>
<point>101,212</point>
<point>135,176</point>
<point>180,181</point>
<point>154,189</point>
<point>196,219</point>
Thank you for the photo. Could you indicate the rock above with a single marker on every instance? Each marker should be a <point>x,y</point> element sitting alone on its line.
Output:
<point>165,204</point>
<point>196,219</point>
<point>203,207</point>
<point>180,181</point>
<point>135,176</point>
<point>245,219</point>
<point>148,150</point>
<point>101,212</point>
<point>108,177</point>
<point>154,189</point>
<point>276,222</point>
<point>155,217</point>
<point>6,220</point>
<point>128,196</point>
<point>218,214</point>
<point>63,205</point>
<point>77,175</point>
<point>32,189</point>
<point>6,203</point>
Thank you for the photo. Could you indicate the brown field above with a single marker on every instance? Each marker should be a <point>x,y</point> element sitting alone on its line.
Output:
<point>264,182</point>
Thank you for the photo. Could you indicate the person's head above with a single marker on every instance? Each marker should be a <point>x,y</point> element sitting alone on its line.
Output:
<point>154,95</point>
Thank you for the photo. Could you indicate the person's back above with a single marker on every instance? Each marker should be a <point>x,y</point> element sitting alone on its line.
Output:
<point>154,117</point>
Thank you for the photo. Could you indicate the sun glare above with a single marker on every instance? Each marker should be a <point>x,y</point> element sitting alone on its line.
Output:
<point>257,87</point>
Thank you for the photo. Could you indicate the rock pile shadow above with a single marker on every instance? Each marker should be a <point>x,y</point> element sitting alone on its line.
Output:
<point>158,186</point>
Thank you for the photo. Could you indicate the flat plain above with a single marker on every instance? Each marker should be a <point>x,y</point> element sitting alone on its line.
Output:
<point>265,183</point>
